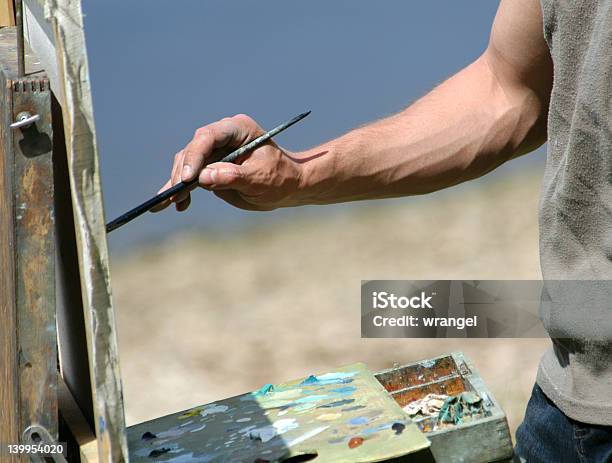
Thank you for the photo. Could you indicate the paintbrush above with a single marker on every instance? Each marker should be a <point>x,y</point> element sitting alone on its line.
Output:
<point>182,186</point>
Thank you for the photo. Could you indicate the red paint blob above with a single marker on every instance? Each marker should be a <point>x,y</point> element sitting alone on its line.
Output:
<point>355,442</point>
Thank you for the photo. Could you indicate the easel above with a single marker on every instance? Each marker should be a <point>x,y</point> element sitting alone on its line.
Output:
<point>46,393</point>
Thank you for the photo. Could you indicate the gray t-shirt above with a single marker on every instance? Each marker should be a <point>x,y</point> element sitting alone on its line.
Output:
<point>576,202</point>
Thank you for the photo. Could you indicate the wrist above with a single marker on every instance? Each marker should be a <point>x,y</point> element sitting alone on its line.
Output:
<point>312,176</point>
<point>325,173</point>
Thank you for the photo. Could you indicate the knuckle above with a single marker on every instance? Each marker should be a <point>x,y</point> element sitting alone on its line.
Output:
<point>235,176</point>
<point>190,156</point>
<point>204,132</point>
<point>244,119</point>
<point>226,176</point>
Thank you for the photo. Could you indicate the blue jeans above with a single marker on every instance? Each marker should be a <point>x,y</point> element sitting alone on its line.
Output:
<point>547,435</point>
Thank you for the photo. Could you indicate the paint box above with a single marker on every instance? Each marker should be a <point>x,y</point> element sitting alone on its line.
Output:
<point>486,438</point>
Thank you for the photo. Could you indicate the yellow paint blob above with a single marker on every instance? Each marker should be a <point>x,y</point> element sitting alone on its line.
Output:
<point>329,416</point>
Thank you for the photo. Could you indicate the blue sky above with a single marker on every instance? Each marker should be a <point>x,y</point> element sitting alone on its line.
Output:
<point>159,72</point>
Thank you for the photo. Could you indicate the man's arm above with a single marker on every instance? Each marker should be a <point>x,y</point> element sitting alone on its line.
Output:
<point>491,111</point>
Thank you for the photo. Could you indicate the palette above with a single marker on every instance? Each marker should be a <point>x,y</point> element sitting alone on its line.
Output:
<point>484,438</point>
<point>342,416</point>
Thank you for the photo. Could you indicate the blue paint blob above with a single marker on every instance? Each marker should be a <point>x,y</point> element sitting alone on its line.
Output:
<point>337,440</point>
<point>346,390</point>
<point>335,376</point>
<point>338,403</point>
<point>374,430</point>
<point>398,428</point>
<point>266,389</point>
<point>359,420</point>
<point>159,452</point>
<point>101,425</point>
<point>311,380</point>
<point>148,436</point>
<point>310,398</point>
<point>327,379</point>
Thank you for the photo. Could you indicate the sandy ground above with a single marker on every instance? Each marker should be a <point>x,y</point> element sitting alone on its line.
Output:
<point>282,301</point>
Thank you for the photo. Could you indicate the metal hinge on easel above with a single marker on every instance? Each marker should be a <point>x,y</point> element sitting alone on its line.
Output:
<point>50,450</point>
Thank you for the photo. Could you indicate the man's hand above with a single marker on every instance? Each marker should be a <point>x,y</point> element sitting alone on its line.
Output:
<point>264,179</point>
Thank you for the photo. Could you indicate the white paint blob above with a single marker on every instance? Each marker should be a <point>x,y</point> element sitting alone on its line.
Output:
<point>212,409</point>
<point>306,436</point>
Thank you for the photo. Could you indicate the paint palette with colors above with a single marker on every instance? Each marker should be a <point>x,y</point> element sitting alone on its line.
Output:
<point>342,416</point>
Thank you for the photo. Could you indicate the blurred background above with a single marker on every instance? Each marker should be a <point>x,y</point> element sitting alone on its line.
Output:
<point>216,301</point>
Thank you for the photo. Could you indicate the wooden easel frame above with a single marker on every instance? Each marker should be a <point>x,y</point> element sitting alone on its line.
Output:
<point>27,236</point>
<point>51,213</point>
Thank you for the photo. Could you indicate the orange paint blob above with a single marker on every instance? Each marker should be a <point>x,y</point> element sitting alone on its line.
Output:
<point>355,442</point>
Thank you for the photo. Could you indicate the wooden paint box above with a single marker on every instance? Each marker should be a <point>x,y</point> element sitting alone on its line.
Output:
<point>484,439</point>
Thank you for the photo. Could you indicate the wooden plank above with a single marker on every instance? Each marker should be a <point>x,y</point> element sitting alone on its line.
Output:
<point>79,129</point>
<point>29,284</point>
<point>9,392</point>
<point>7,13</point>
<point>35,255</point>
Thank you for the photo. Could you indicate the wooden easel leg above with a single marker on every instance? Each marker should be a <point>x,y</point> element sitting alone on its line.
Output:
<point>9,388</point>
<point>27,250</point>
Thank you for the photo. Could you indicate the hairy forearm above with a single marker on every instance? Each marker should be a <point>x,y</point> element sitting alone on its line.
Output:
<point>461,130</point>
